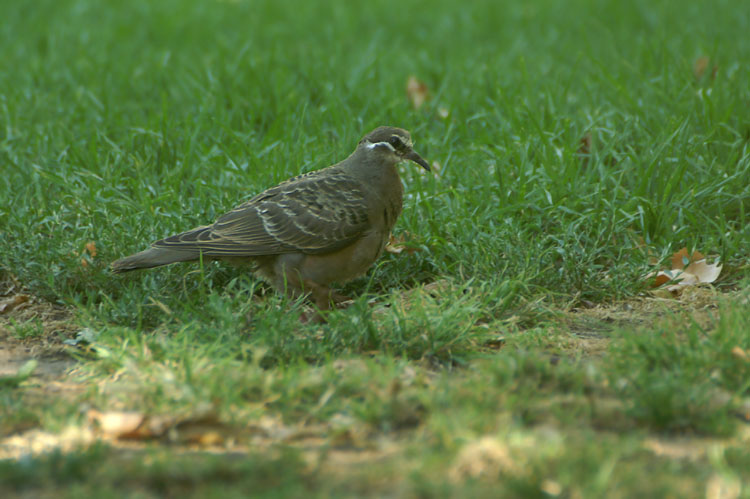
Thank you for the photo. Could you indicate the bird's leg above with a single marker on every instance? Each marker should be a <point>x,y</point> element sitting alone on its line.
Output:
<point>324,297</point>
<point>312,317</point>
<point>320,296</point>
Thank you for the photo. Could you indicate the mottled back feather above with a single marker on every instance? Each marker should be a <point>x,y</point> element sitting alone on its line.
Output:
<point>317,212</point>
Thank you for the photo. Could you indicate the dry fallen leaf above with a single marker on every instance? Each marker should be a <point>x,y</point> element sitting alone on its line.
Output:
<point>584,149</point>
<point>739,353</point>
<point>703,271</point>
<point>88,254</point>
<point>7,306</point>
<point>202,429</point>
<point>661,279</point>
<point>702,64</point>
<point>551,487</point>
<point>117,424</point>
<point>91,248</point>
<point>485,458</point>
<point>699,67</point>
<point>681,258</point>
<point>687,270</point>
<point>417,91</point>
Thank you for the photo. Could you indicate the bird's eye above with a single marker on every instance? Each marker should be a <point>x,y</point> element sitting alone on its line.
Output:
<point>396,142</point>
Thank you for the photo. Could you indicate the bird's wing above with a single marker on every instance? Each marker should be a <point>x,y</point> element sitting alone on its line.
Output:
<point>311,214</point>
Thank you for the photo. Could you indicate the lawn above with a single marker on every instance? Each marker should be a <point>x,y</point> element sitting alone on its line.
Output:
<point>515,346</point>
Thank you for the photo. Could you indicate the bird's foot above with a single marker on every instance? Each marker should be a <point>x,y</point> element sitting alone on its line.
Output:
<point>312,317</point>
<point>339,300</point>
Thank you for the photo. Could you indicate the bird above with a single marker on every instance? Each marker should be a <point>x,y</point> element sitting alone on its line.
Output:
<point>311,231</point>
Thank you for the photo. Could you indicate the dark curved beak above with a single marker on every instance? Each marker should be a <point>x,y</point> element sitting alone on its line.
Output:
<point>413,156</point>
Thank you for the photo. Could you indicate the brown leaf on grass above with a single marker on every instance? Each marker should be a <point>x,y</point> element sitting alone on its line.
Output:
<point>739,353</point>
<point>485,458</point>
<point>699,66</point>
<point>118,424</point>
<point>7,306</point>
<point>397,245</point>
<point>696,266</point>
<point>91,248</point>
<point>687,270</point>
<point>703,271</point>
<point>88,254</point>
<point>417,91</point>
<point>681,258</point>
<point>126,425</point>
<point>584,147</point>
<point>551,487</point>
<point>660,279</point>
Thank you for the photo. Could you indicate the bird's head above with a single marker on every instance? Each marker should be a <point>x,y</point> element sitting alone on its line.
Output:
<point>391,144</point>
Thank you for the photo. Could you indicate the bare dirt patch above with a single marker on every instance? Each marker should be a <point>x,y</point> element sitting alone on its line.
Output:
<point>32,329</point>
<point>590,325</point>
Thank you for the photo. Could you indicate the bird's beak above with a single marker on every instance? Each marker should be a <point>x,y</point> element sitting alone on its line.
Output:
<point>413,156</point>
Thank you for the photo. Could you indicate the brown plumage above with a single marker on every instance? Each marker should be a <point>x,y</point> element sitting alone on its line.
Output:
<point>310,231</point>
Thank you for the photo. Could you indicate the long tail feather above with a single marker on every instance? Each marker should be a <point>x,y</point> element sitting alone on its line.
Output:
<point>153,257</point>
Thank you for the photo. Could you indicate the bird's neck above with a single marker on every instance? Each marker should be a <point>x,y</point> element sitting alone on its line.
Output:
<point>381,175</point>
<point>382,180</point>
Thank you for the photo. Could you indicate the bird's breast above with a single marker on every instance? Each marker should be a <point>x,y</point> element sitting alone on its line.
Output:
<point>391,198</point>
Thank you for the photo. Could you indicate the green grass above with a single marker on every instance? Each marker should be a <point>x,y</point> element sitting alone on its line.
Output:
<point>121,123</point>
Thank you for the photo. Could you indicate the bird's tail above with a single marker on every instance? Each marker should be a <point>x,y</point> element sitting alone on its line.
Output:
<point>153,257</point>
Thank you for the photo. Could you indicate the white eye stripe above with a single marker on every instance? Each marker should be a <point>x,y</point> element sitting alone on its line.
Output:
<point>378,144</point>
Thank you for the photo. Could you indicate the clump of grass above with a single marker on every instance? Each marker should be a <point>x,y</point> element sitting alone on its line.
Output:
<point>683,376</point>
